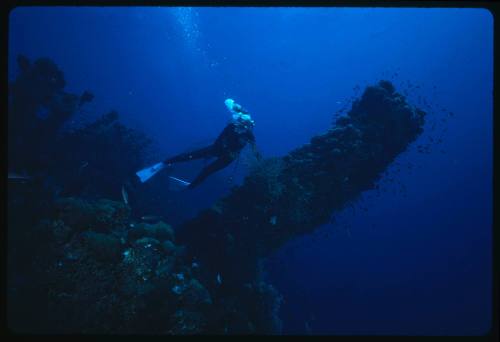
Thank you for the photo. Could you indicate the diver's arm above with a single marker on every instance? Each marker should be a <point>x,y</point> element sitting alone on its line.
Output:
<point>255,151</point>
<point>253,146</point>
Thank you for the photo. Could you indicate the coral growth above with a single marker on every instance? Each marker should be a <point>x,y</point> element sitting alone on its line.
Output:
<point>97,271</point>
<point>159,231</point>
<point>98,281</point>
<point>100,215</point>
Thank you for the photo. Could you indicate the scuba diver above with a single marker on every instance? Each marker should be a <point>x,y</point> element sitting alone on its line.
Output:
<point>226,148</point>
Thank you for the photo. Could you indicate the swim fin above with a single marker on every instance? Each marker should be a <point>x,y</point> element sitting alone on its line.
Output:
<point>149,172</point>
<point>178,184</point>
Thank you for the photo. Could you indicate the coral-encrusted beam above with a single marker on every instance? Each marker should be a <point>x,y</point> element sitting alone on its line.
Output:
<point>284,197</point>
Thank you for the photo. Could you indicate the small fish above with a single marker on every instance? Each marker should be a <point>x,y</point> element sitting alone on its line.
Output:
<point>84,165</point>
<point>273,220</point>
<point>307,328</point>
<point>177,289</point>
<point>195,265</point>
<point>124,195</point>
<point>218,279</point>
<point>12,176</point>
<point>151,218</point>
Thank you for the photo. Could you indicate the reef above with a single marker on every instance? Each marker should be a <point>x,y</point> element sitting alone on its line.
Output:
<point>93,160</point>
<point>95,270</point>
<point>98,277</point>
<point>80,259</point>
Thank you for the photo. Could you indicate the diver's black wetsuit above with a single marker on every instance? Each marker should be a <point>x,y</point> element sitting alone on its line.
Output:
<point>226,148</point>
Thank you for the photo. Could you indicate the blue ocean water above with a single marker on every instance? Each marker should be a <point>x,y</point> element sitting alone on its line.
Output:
<point>413,258</point>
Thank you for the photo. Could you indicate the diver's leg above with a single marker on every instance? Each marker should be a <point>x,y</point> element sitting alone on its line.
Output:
<point>216,165</point>
<point>196,154</point>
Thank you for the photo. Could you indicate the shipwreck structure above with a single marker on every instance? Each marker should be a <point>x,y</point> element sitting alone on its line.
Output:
<point>285,197</point>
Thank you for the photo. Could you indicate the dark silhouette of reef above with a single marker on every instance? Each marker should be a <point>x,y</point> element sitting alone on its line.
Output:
<point>96,275</point>
<point>92,269</point>
<point>92,161</point>
<point>81,261</point>
<point>36,92</point>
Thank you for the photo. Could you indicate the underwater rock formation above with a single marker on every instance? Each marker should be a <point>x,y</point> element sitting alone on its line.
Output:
<point>87,279</point>
<point>89,268</point>
<point>91,276</point>
<point>42,145</point>
<point>285,197</point>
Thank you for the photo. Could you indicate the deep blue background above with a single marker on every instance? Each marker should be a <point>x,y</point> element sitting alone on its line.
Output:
<point>417,261</point>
